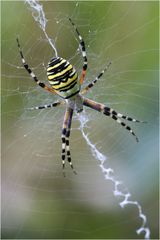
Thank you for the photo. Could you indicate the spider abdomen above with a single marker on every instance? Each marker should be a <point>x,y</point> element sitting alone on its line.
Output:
<point>63,77</point>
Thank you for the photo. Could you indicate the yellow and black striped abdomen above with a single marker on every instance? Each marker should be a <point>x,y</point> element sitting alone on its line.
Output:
<point>63,77</point>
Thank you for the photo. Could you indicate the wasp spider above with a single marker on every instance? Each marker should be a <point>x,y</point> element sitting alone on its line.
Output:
<point>64,81</point>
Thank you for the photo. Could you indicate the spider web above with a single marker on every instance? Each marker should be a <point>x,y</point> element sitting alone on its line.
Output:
<point>37,202</point>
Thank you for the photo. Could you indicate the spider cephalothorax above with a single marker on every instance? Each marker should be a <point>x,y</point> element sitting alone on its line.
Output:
<point>64,81</point>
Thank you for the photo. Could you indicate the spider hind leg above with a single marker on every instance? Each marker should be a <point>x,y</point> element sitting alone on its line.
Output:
<point>31,73</point>
<point>92,83</point>
<point>84,55</point>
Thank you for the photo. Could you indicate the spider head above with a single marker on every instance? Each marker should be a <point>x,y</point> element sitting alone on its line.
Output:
<point>76,102</point>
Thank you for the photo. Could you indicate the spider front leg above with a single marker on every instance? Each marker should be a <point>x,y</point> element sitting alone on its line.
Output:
<point>111,113</point>
<point>33,76</point>
<point>65,138</point>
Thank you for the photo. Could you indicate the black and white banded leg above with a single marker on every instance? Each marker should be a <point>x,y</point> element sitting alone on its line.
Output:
<point>111,113</point>
<point>33,76</point>
<point>114,117</point>
<point>65,138</point>
<point>90,85</point>
<point>55,104</point>
<point>84,55</point>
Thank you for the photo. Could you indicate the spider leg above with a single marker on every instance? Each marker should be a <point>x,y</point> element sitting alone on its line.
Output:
<point>84,55</point>
<point>111,113</point>
<point>90,85</point>
<point>55,104</point>
<point>65,138</point>
<point>33,76</point>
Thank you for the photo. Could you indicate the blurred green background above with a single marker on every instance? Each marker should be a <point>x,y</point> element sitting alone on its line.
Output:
<point>37,201</point>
